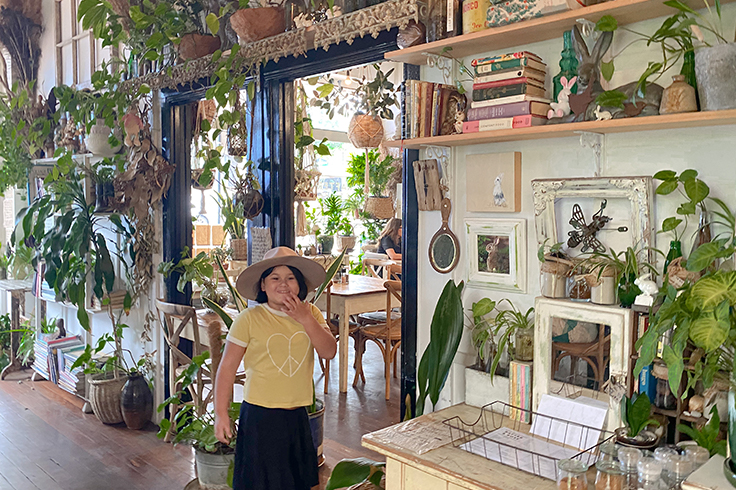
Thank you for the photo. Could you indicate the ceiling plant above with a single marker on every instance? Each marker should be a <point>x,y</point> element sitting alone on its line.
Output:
<point>375,101</point>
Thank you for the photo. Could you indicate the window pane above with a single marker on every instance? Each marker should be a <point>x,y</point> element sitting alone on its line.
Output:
<point>84,56</point>
<point>67,70</point>
<point>66,19</point>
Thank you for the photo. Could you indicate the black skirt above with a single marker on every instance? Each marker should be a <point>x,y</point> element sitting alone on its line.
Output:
<point>274,450</point>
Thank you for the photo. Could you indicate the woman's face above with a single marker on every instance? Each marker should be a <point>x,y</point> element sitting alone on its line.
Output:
<point>280,284</point>
<point>401,232</point>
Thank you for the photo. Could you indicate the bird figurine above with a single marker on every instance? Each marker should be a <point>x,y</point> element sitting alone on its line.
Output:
<point>498,197</point>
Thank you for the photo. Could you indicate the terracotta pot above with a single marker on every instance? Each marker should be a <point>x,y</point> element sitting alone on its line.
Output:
<point>193,46</point>
<point>365,131</point>
<point>254,24</point>
<point>136,402</point>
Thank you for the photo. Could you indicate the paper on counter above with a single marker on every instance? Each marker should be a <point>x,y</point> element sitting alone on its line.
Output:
<point>583,411</point>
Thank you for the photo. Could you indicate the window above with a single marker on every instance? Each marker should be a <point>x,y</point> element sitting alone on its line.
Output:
<point>78,53</point>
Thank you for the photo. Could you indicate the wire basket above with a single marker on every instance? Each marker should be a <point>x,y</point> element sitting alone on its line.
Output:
<point>534,448</point>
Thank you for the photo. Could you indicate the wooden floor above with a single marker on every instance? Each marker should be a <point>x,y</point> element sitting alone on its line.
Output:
<point>47,443</point>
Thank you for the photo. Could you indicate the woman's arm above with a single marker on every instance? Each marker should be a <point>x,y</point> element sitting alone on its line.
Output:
<point>392,254</point>
<point>322,339</point>
<point>224,381</point>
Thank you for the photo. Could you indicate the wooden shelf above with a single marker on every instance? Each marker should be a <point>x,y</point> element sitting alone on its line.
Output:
<point>669,121</point>
<point>533,30</point>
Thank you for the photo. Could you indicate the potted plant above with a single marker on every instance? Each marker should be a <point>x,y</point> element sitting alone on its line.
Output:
<point>102,174</point>
<point>636,416</point>
<point>258,20</point>
<point>198,269</point>
<point>554,269</point>
<point>345,235</point>
<point>332,211</point>
<point>375,101</point>
<point>627,266</point>
<point>194,425</point>
<point>512,324</point>
<point>360,474</point>
<point>376,200</point>
<point>234,224</point>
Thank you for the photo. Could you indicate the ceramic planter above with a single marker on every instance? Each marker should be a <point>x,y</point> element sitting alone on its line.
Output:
<point>254,24</point>
<point>553,285</point>
<point>212,469</point>
<point>605,292</point>
<point>193,46</point>
<point>346,242</point>
<point>481,390</point>
<point>327,242</point>
<point>365,131</point>
<point>136,402</point>
<point>97,141</point>
<point>714,69</point>
<point>317,427</point>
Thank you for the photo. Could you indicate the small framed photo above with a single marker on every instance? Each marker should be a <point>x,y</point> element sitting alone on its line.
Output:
<point>496,253</point>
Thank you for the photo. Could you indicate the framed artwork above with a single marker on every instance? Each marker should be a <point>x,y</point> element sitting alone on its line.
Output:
<point>549,345</point>
<point>496,253</point>
<point>493,182</point>
<point>633,216</point>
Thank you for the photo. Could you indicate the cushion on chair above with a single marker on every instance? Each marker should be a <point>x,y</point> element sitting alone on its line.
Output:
<point>380,331</point>
<point>573,331</point>
<point>379,316</point>
<point>334,325</point>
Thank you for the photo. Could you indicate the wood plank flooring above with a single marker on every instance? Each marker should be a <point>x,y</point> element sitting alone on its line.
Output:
<point>47,443</point>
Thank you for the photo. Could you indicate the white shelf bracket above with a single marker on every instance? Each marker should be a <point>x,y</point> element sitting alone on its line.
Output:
<point>442,155</point>
<point>596,142</point>
<point>443,64</point>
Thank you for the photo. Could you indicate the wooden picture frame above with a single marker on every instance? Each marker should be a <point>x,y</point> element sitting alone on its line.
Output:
<point>493,182</point>
<point>638,190</point>
<point>496,251</point>
<point>620,321</point>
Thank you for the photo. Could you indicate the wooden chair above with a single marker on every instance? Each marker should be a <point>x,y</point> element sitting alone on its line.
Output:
<point>334,325</point>
<point>381,267</point>
<point>595,354</point>
<point>386,335</point>
<point>175,320</point>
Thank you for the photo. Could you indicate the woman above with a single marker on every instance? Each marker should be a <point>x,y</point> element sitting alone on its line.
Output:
<point>276,342</point>
<point>389,242</point>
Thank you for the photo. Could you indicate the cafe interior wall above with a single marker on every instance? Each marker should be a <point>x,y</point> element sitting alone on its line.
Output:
<point>708,150</point>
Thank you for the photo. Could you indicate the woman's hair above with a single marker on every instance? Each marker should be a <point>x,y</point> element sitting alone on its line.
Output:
<point>261,296</point>
<point>392,229</point>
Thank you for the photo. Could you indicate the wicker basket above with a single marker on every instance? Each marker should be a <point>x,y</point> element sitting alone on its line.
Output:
<point>365,131</point>
<point>305,186</point>
<point>678,275</point>
<point>345,242</point>
<point>237,139</point>
<point>104,396</point>
<point>240,248</point>
<point>254,24</point>
<point>379,207</point>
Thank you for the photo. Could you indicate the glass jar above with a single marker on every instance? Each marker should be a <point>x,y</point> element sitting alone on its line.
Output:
<point>697,455</point>
<point>664,397</point>
<point>579,288</point>
<point>524,344</point>
<point>678,467</point>
<point>608,451</point>
<point>609,476</point>
<point>571,475</point>
<point>649,471</point>
<point>629,458</point>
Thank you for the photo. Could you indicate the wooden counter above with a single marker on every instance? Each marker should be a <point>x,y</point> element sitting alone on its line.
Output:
<point>446,467</point>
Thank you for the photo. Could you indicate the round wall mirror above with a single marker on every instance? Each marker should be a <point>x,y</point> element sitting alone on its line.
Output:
<point>444,248</point>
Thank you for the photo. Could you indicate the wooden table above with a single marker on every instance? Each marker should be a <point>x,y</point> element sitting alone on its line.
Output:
<point>362,294</point>
<point>444,467</point>
<point>17,290</point>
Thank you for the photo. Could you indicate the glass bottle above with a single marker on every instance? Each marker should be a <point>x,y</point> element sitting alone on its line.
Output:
<point>650,474</point>
<point>609,476</point>
<point>629,458</point>
<point>444,19</point>
<point>703,234</point>
<point>524,344</point>
<point>568,65</point>
<point>675,252</point>
<point>571,475</point>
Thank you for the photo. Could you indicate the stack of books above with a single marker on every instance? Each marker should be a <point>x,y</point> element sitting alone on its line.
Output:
<point>55,355</point>
<point>40,356</point>
<point>508,92</point>
<point>425,107</point>
<point>71,380</point>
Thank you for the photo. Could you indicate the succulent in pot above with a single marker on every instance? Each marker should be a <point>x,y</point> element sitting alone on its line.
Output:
<point>636,416</point>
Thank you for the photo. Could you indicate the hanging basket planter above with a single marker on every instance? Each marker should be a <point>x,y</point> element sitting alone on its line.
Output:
<point>196,174</point>
<point>237,139</point>
<point>251,199</point>
<point>379,207</point>
<point>365,131</point>
<point>193,46</point>
<point>254,24</point>
<point>305,187</point>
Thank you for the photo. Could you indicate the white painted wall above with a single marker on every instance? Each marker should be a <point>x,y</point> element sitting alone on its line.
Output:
<point>709,150</point>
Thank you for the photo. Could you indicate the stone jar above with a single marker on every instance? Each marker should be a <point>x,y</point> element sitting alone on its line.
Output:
<point>714,69</point>
<point>678,97</point>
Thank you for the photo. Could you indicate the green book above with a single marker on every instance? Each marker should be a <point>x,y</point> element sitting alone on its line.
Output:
<point>506,91</point>
<point>510,65</point>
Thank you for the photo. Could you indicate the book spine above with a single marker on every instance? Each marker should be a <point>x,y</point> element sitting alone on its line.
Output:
<point>503,110</point>
<point>471,127</point>
<point>501,65</point>
<point>502,83</point>
<point>403,110</point>
<point>502,57</point>
<point>500,123</point>
<point>435,109</point>
<point>498,92</point>
<point>522,121</point>
<point>538,76</point>
<point>504,100</point>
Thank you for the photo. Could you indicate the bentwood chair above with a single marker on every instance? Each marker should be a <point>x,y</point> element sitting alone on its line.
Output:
<point>386,334</point>
<point>595,354</point>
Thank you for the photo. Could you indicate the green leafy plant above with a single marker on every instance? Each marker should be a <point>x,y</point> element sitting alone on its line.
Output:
<point>334,214</point>
<point>200,270</point>
<point>235,224</point>
<point>377,97</point>
<point>25,346</point>
<point>626,263</point>
<point>482,333</point>
<point>381,171</point>
<point>554,250</point>
<point>707,437</point>
<point>446,330</point>
<point>508,322</point>
<point>636,413</point>
<point>349,472</point>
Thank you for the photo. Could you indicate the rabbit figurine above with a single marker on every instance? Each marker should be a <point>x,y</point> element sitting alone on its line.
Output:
<point>561,108</point>
<point>583,105</point>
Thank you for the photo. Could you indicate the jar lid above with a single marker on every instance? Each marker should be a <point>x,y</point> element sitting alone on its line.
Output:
<point>629,456</point>
<point>574,466</point>
<point>661,453</point>
<point>609,467</point>
<point>649,469</point>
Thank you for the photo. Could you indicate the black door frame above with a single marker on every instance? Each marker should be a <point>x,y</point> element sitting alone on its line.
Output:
<point>272,150</point>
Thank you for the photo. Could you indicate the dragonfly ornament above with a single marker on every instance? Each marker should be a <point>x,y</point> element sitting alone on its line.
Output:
<point>585,233</point>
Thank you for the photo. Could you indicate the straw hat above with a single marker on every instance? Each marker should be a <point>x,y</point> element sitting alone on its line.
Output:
<point>248,281</point>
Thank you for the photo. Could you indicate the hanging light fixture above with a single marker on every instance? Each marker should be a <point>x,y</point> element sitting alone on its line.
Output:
<point>348,80</point>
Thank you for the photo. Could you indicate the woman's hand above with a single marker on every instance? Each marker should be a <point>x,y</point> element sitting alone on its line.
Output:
<point>223,430</point>
<point>297,309</point>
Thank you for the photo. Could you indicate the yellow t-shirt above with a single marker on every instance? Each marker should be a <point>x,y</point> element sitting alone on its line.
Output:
<point>279,357</point>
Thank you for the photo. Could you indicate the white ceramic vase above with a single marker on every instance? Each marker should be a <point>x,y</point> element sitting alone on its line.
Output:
<point>98,143</point>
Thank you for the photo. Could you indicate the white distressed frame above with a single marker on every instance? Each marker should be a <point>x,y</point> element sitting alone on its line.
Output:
<point>620,320</point>
<point>515,229</point>
<point>638,190</point>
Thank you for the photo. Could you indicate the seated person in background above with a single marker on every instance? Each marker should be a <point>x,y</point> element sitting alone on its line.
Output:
<point>389,242</point>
